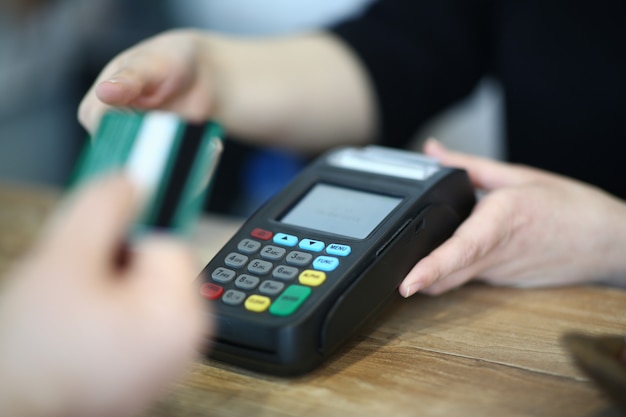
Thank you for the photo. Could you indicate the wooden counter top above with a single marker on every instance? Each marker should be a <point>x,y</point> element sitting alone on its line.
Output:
<point>476,351</point>
<point>23,210</point>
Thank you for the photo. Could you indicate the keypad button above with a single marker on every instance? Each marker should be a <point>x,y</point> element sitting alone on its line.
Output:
<point>312,278</point>
<point>285,272</point>
<point>235,260</point>
<point>270,287</point>
<point>290,300</point>
<point>285,239</point>
<point>257,303</point>
<point>312,245</point>
<point>325,263</point>
<point>211,291</point>
<point>246,282</point>
<point>273,253</point>
<point>338,249</point>
<point>248,246</point>
<point>259,267</point>
<point>261,234</point>
<point>298,258</point>
<point>223,275</point>
<point>258,256</point>
<point>233,297</point>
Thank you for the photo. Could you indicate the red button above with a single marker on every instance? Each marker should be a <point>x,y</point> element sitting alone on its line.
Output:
<point>211,291</point>
<point>261,234</point>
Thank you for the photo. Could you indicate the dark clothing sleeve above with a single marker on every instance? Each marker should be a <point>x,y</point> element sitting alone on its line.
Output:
<point>421,55</point>
<point>561,65</point>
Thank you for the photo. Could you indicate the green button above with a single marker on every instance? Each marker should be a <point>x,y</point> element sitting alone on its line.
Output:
<point>289,301</point>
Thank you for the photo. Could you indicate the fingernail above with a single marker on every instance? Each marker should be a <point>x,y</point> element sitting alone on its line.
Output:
<point>407,293</point>
<point>410,290</point>
<point>116,79</point>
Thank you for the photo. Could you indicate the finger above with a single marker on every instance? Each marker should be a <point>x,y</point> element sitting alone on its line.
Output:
<point>118,91</point>
<point>101,97</point>
<point>447,283</point>
<point>132,80</point>
<point>452,256</point>
<point>90,111</point>
<point>484,173</point>
<point>467,250</point>
<point>162,280</point>
<point>122,89</point>
<point>93,222</point>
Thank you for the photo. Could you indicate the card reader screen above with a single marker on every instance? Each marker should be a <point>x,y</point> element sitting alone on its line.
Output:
<point>342,211</point>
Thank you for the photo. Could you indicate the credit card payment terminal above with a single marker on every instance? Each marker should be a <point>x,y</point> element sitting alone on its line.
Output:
<point>320,258</point>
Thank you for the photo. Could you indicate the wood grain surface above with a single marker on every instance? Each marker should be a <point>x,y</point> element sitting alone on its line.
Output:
<point>476,351</point>
<point>23,210</point>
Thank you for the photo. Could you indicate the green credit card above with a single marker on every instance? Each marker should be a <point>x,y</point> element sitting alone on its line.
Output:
<point>171,160</point>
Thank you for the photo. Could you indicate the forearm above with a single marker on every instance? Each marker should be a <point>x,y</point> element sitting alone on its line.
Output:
<point>306,92</point>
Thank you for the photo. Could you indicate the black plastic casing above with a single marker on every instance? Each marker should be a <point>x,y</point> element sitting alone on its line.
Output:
<point>353,293</point>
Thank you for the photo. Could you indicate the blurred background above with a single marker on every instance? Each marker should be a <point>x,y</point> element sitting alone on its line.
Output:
<point>52,50</point>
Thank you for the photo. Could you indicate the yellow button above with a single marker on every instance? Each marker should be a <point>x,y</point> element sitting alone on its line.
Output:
<point>312,278</point>
<point>257,303</point>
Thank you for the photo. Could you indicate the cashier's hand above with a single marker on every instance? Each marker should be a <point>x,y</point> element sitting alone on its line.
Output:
<point>85,332</point>
<point>532,228</point>
<point>300,92</point>
<point>168,72</point>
